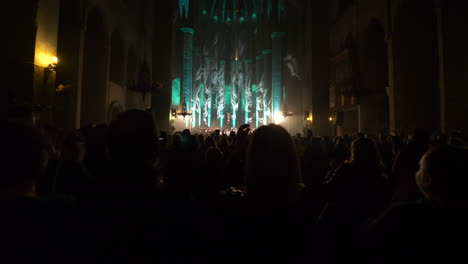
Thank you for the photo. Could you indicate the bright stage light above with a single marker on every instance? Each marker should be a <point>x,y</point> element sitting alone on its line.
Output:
<point>279,118</point>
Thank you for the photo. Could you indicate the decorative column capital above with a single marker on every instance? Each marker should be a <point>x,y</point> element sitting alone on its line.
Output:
<point>187,30</point>
<point>278,34</point>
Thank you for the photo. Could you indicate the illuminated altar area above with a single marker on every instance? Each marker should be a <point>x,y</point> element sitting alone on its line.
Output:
<point>233,65</point>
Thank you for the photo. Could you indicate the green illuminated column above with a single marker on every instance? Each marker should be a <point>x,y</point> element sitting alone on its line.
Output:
<point>248,89</point>
<point>227,98</point>
<point>235,96</point>
<point>202,104</point>
<point>267,86</point>
<point>220,96</point>
<point>276,71</point>
<point>187,68</point>
<point>175,92</point>
<point>259,89</point>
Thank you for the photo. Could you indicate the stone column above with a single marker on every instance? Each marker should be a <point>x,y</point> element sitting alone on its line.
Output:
<point>220,95</point>
<point>266,85</point>
<point>187,68</point>
<point>276,71</point>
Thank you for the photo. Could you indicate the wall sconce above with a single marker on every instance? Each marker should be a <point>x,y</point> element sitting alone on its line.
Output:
<point>52,67</point>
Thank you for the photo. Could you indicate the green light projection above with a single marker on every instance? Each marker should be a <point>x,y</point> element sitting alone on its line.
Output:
<point>227,98</point>
<point>187,68</point>
<point>202,104</point>
<point>220,98</point>
<point>254,103</point>
<point>248,90</point>
<point>276,72</point>
<point>266,109</point>
<point>184,8</point>
<point>176,92</point>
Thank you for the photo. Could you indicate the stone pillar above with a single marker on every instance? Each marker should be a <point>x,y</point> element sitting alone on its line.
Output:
<point>187,68</point>
<point>276,71</point>
<point>267,85</point>
<point>259,88</point>
<point>248,109</point>
<point>221,87</point>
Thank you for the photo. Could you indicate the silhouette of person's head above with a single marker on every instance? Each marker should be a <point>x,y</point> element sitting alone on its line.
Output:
<point>24,159</point>
<point>420,136</point>
<point>272,166</point>
<point>210,142</point>
<point>365,154</point>
<point>213,155</point>
<point>442,175</point>
<point>133,138</point>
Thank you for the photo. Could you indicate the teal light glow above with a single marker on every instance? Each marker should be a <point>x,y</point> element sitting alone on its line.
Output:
<point>242,19</point>
<point>202,104</point>
<point>215,105</point>
<point>270,8</point>
<point>227,98</point>
<point>220,96</point>
<point>184,8</point>
<point>204,12</point>
<point>228,20</point>
<point>216,19</point>
<point>223,10</point>
<point>254,16</point>
<point>209,110</point>
<point>276,72</point>
<point>243,107</point>
<point>176,92</point>
<point>193,117</point>
<point>266,51</point>
<point>187,66</point>
<point>254,103</point>
<point>281,8</point>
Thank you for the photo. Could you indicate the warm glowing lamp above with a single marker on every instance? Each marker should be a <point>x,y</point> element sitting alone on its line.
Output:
<point>52,67</point>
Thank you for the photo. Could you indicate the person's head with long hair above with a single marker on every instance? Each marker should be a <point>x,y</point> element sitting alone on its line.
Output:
<point>365,154</point>
<point>272,166</point>
<point>442,175</point>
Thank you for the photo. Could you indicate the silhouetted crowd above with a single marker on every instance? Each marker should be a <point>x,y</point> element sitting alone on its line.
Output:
<point>125,193</point>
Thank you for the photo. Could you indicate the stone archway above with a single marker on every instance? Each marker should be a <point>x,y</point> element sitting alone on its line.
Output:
<point>95,70</point>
